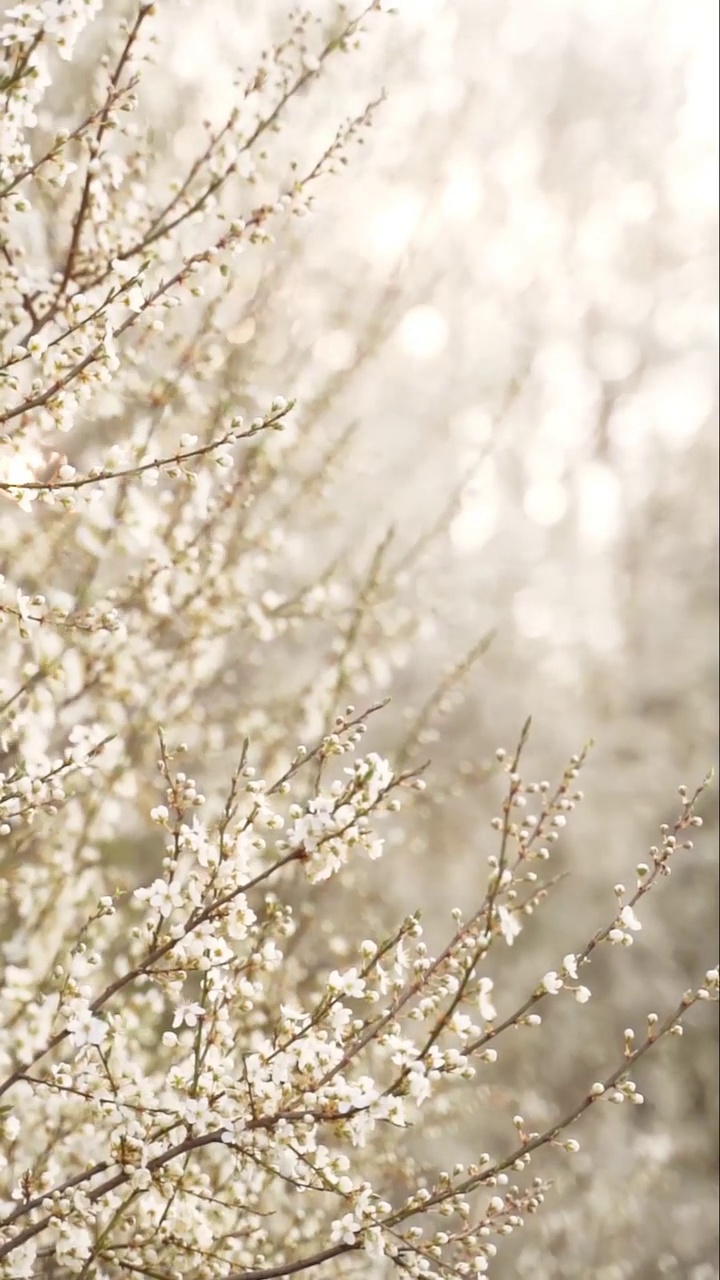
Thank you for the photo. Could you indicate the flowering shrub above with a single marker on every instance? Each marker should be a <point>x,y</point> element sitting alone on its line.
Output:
<point>197,1080</point>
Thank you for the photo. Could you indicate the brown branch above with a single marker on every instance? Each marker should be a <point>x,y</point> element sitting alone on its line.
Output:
<point>85,199</point>
<point>230,437</point>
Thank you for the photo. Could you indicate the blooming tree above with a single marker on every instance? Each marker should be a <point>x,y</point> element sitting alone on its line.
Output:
<point>197,1080</point>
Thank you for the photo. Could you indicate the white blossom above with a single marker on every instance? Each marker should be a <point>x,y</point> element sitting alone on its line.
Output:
<point>510,926</point>
<point>629,919</point>
<point>552,983</point>
<point>188,1014</point>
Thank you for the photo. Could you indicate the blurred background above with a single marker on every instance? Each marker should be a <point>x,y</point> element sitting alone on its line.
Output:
<point>500,323</point>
